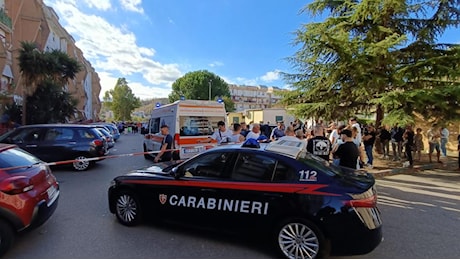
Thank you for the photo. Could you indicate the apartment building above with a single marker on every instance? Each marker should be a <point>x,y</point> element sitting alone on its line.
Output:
<point>33,21</point>
<point>254,97</point>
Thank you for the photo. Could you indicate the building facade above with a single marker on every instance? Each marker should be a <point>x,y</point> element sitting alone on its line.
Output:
<point>254,97</point>
<point>33,21</point>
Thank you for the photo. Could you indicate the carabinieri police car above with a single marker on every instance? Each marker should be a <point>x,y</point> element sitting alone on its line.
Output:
<point>307,207</point>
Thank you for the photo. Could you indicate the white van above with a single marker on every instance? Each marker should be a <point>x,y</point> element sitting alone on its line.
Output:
<point>189,121</point>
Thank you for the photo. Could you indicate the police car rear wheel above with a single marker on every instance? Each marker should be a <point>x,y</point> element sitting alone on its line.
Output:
<point>128,210</point>
<point>299,238</point>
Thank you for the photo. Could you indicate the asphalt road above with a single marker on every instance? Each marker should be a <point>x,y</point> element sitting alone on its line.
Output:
<point>420,212</point>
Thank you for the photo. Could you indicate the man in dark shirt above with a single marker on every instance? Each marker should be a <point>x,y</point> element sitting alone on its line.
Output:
<point>319,145</point>
<point>165,153</point>
<point>385,138</point>
<point>348,151</point>
<point>408,144</point>
<point>244,129</point>
<point>368,141</point>
<point>277,132</point>
<point>397,141</point>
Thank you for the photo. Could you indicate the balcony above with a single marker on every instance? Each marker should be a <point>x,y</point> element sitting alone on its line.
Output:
<point>5,21</point>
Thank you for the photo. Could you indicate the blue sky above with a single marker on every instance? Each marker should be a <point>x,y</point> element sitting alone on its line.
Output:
<point>151,43</point>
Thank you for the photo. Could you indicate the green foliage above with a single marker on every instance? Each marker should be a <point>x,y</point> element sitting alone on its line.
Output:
<point>376,53</point>
<point>229,105</point>
<point>46,74</point>
<point>50,104</point>
<point>196,85</point>
<point>121,100</point>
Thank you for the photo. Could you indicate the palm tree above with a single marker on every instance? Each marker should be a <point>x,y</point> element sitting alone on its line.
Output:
<point>62,67</point>
<point>32,66</point>
<point>50,71</point>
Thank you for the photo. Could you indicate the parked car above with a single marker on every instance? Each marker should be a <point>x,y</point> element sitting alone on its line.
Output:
<point>108,137</point>
<point>60,142</point>
<point>306,207</point>
<point>112,129</point>
<point>28,195</point>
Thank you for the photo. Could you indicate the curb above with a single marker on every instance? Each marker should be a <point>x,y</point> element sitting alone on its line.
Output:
<point>389,172</point>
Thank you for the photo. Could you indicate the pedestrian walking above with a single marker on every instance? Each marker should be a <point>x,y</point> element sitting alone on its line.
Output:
<point>408,144</point>
<point>385,138</point>
<point>444,140</point>
<point>396,141</point>
<point>368,141</point>
<point>434,139</point>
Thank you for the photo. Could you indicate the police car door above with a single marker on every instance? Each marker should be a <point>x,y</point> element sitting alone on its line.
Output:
<point>252,197</point>
<point>206,180</point>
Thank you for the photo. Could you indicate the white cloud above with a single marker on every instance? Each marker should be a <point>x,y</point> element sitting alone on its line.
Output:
<point>98,4</point>
<point>271,76</point>
<point>245,81</point>
<point>132,5</point>
<point>108,82</point>
<point>268,77</point>
<point>216,64</point>
<point>114,53</point>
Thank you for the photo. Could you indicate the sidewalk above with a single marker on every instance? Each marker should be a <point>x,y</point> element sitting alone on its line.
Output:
<point>388,167</point>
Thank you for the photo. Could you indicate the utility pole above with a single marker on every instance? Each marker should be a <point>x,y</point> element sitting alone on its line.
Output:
<point>210,84</point>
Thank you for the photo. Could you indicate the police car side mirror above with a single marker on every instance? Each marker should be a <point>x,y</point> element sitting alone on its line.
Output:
<point>176,173</point>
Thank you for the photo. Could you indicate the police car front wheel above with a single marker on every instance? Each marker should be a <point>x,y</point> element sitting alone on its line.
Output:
<point>300,239</point>
<point>127,207</point>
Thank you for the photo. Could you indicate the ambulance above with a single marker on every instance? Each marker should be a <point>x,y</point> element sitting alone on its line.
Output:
<point>189,122</point>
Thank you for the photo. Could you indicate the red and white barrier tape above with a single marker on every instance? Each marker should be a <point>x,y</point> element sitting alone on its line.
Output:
<point>84,160</point>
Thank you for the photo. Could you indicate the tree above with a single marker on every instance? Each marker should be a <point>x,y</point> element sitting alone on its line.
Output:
<point>376,56</point>
<point>50,103</point>
<point>45,75</point>
<point>121,100</point>
<point>201,85</point>
<point>32,67</point>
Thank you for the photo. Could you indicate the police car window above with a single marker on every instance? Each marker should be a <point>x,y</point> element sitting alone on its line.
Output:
<point>208,165</point>
<point>253,167</point>
<point>284,173</point>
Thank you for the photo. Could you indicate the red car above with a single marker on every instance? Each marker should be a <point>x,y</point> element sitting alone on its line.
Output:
<point>29,193</point>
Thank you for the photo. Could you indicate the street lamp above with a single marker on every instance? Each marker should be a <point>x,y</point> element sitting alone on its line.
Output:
<point>210,82</point>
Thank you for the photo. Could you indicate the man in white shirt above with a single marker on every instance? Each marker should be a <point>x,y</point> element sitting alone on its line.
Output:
<point>354,123</point>
<point>290,135</point>
<point>255,132</point>
<point>221,135</point>
<point>334,136</point>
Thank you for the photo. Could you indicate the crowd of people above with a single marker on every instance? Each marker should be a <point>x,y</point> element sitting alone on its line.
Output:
<point>351,145</point>
<point>129,127</point>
